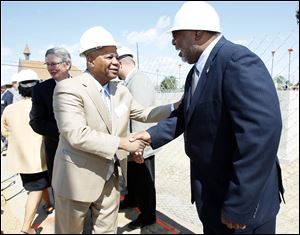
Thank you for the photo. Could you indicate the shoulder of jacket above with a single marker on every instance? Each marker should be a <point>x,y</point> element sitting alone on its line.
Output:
<point>43,84</point>
<point>139,74</point>
<point>7,94</point>
<point>235,51</point>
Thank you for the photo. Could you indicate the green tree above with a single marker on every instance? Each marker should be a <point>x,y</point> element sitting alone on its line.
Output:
<point>168,84</point>
<point>280,80</point>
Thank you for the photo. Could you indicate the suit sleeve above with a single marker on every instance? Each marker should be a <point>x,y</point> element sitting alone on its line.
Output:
<point>167,129</point>
<point>4,124</point>
<point>253,105</point>
<point>150,114</point>
<point>40,121</point>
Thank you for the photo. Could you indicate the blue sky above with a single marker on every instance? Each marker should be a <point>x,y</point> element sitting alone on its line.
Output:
<point>262,26</point>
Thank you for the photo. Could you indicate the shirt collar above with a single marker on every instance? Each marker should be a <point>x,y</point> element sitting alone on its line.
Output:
<point>100,87</point>
<point>205,54</point>
<point>69,76</point>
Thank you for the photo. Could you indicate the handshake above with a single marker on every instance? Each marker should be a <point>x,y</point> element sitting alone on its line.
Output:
<point>135,143</point>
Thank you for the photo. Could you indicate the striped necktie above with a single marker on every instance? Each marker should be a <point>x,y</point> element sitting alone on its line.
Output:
<point>195,80</point>
<point>106,99</point>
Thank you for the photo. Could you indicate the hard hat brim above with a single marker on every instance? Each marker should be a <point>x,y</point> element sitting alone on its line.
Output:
<point>84,53</point>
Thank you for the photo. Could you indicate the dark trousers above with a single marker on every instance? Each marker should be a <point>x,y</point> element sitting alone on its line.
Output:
<point>141,188</point>
<point>50,146</point>
<point>265,228</point>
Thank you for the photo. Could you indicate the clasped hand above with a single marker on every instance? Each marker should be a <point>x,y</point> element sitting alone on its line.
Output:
<point>139,137</point>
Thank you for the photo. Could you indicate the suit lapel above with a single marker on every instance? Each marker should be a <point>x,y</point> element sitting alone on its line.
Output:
<point>96,97</point>
<point>198,92</point>
<point>203,79</point>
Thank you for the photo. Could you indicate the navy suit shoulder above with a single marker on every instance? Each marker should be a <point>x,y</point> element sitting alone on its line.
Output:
<point>6,99</point>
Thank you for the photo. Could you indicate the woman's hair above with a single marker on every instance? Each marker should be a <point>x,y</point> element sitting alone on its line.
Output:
<point>61,53</point>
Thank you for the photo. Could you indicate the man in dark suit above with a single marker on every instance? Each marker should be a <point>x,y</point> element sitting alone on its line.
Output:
<point>42,121</point>
<point>231,120</point>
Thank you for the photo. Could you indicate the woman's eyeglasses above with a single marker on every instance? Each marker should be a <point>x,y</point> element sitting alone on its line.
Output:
<point>53,64</point>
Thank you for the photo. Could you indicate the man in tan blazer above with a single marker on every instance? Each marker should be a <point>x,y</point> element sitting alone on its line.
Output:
<point>92,114</point>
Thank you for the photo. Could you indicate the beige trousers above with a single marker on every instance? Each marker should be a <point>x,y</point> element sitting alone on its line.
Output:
<point>70,215</point>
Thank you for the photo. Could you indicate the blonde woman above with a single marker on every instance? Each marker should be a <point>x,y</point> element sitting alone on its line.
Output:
<point>25,153</point>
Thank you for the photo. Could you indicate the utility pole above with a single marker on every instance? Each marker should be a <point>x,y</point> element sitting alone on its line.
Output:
<point>273,53</point>
<point>290,51</point>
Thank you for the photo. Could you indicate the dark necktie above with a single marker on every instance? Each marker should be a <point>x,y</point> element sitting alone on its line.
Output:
<point>195,80</point>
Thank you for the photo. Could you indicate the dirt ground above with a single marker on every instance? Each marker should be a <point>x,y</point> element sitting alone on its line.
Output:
<point>9,223</point>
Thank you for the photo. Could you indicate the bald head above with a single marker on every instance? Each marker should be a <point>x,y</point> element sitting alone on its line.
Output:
<point>127,65</point>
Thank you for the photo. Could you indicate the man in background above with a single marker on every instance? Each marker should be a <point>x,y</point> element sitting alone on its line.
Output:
<point>140,177</point>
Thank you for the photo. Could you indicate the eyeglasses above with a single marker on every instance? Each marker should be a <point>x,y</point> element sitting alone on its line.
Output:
<point>53,64</point>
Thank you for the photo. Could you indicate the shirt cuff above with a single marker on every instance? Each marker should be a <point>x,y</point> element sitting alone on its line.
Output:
<point>172,107</point>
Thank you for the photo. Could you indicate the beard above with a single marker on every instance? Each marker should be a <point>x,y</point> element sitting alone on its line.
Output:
<point>189,55</point>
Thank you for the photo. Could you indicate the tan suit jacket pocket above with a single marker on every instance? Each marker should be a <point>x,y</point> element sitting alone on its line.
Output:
<point>75,159</point>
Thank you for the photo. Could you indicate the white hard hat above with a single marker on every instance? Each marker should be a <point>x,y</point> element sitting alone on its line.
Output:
<point>27,75</point>
<point>124,52</point>
<point>196,15</point>
<point>94,38</point>
<point>14,77</point>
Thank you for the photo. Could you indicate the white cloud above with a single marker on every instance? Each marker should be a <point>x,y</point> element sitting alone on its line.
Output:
<point>163,22</point>
<point>156,35</point>
<point>143,36</point>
